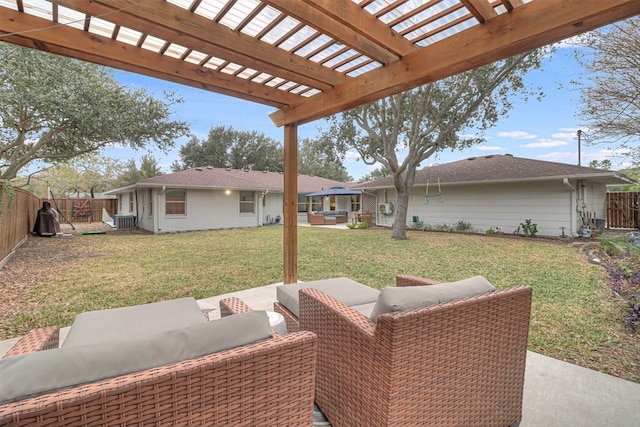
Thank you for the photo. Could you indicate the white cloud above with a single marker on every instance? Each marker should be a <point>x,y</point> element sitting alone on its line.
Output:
<point>490,148</point>
<point>546,143</point>
<point>560,157</point>
<point>517,134</point>
<point>569,136</point>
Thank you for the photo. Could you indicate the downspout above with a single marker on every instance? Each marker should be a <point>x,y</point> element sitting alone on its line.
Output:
<point>566,182</point>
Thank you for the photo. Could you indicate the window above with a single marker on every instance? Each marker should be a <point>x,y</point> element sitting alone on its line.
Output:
<point>176,202</point>
<point>332,203</point>
<point>150,202</point>
<point>303,203</point>
<point>316,203</point>
<point>355,203</point>
<point>131,202</point>
<point>247,202</point>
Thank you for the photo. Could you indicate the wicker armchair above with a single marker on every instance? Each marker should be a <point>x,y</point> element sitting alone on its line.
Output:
<point>265,383</point>
<point>293,323</point>
<point>455,364</point>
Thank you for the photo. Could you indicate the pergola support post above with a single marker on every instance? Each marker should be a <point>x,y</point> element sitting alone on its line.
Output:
<point>290,245</point>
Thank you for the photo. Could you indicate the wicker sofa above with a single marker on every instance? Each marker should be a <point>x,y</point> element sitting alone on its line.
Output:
<point>451,364</point>
<point>319,219</point>
<point>268,380</point>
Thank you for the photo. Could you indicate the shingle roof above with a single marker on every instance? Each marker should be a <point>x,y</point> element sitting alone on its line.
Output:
<point>503,168</point>
<point>234,179</point>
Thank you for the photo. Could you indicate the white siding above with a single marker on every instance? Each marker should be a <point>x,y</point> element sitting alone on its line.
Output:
<point>551,205</point>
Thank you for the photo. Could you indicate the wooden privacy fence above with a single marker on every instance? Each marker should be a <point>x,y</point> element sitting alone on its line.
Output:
<point>19,209</point>
<point>17,217</point>
<point>84,210</point>
<point>622,209</point>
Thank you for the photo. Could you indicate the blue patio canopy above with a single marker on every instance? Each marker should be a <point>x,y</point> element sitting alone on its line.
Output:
<point>335,191</point>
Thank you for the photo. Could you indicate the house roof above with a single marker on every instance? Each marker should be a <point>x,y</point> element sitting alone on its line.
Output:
<point>504,168</point>
<point>231,179</point>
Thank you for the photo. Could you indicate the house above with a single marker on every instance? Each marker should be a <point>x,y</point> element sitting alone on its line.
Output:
<point>206,198</point>
<point>502,191</point>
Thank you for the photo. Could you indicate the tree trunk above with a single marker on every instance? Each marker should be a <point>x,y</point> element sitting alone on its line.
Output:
<point>400,221</point>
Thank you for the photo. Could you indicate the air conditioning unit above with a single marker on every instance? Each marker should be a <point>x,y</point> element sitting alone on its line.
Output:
<point>125,221</point>
<point>387,208</point>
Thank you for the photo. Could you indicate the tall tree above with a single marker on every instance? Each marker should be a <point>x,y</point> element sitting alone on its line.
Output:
<point>55,108</point>
<point>429,119</point>
<point>132,174</point>
<point>610,89</point>
<point>316,157</point>
<point>81,176</point>
<point>227,147</point>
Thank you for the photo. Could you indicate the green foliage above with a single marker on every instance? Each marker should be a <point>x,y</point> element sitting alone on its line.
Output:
<point>148,169</point>
<point>364,224</point>
<point>226,147</point>
<point>604,164</point>
<point>529,229</point>
<point>490,231</point>
<point>618,246</point>
<point>463,227</point>
<point>55,109</point>
<point>376,174</point>
<point>351,225</point>
<point>318,157</point>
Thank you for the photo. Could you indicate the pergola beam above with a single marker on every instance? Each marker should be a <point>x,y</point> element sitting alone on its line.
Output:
<point>527,27</point>
<point>174,24</point>
<point>68,41</point>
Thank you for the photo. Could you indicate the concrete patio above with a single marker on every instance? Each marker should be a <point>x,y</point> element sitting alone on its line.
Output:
<point>556,393</point>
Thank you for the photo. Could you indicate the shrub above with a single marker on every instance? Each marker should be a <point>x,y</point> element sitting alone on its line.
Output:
<point>528,228</point>
<point>463,226</point>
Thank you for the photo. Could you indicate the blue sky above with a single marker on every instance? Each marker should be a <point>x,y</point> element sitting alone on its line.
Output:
<point>543,130</point>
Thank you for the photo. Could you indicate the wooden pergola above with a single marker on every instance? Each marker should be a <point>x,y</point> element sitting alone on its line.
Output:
<point>307,58</point>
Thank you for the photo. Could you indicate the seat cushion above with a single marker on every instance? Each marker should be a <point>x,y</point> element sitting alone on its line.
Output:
<point>412,297</point>
<point>343,289</point>
<point>50,370</point>
<point>93,327</point>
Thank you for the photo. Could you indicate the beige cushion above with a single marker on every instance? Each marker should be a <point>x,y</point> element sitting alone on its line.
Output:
<point>45,371</point>
<point>412,297</point>
<point>343,289</point>
<point>93,327</point>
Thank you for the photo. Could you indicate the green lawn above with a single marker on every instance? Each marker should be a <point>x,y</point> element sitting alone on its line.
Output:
<point>574,318</point>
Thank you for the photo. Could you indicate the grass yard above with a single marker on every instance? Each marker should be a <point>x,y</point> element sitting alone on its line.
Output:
<point>574,318</point>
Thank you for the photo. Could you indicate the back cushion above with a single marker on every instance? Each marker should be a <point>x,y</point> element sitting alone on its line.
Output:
<point>94,327</point>
<point>412,297</point>
<point>343,289</point>
<point>45,371</point>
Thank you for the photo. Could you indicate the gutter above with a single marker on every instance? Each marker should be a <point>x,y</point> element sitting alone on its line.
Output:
<point>566,182</point>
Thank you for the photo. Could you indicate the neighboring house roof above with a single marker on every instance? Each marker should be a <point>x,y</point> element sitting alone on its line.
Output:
<point>503,168</point>
<point>231,179</point>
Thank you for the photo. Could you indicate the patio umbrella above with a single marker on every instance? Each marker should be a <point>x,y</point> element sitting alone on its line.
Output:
<point>335,191</point>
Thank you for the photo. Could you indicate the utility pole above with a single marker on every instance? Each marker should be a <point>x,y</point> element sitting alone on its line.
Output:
<point>579,135</point>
